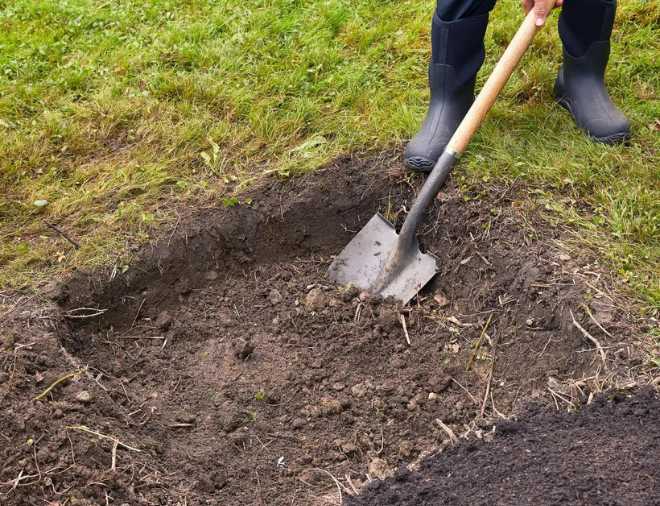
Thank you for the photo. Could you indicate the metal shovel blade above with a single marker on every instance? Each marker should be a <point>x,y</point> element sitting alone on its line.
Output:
<point>363,261</point>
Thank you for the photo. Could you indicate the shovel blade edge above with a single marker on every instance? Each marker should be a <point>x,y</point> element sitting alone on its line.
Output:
<point>362,261</point>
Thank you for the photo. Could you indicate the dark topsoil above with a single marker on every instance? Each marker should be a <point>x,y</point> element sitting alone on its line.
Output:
<point>606,453</point>
<point>226,370</point>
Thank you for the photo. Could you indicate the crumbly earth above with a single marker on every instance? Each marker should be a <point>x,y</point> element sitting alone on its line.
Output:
<point>606,453</point>
<point>224,368</point>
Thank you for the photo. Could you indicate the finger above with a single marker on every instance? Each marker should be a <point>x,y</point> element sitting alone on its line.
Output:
<point>527,5</point>
<point>541,13</point>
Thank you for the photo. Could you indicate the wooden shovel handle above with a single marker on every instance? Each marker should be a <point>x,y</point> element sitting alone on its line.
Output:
<point>497,80</point>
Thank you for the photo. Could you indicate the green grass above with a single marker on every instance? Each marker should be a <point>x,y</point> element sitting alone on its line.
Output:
<point>118,111</point>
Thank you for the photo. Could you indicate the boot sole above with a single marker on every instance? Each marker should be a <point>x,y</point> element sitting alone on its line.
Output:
<point>419,164</point>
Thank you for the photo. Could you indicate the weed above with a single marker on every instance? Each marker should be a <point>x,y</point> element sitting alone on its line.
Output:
<point>260,396</point>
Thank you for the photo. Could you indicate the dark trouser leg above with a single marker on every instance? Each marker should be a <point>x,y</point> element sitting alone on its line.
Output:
<point>453,10</point>
<point>585,27</point>
<point>457,37</point>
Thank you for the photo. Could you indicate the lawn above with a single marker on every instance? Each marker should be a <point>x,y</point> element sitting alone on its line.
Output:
<point>116,113</point>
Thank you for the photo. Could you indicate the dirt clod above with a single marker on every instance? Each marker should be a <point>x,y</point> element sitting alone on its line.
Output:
<point>164,320</point>
<point>315,299</point>
<point>84,396</point>
<point>379,469</point>
<point>275,297</point>
<point>244,350</point>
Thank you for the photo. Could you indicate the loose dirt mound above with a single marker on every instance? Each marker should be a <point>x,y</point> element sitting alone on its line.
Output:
<point>603,455</point>
<point>223,368</point>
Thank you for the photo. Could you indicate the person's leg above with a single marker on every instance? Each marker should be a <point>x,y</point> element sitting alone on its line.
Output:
<point>457,41</point>
<point>453,10</point>
<point>585,27</point>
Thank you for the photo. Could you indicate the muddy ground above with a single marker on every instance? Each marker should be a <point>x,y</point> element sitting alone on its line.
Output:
<point>224,368</point>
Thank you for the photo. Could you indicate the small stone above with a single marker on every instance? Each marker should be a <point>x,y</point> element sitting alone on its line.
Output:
<point>359,390</point>
<point>211,276</point>
<point>433,396</point>
<point>441,299</point>
<point>164,320</point>
<point>564,257</point>
<point>379,469</point>
<point>412,405</point>
<point>275,297</point>
<point>315,300</point>
<point>84,396</point>
<point>406,449</point>
<point>529,322</point>
<point>338,387</point>
<point>298,423</point>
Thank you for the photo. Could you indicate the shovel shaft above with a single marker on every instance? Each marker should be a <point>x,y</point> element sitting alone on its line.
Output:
<point>437,178</point>
<point>497,80</point>
<point>468,127</point>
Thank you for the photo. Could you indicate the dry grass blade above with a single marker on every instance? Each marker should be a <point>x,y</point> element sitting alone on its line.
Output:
<point>83,428</point>
<point>448,431</point>
<point>473,356</point>
<point>402,319</point>
<point>59,380</point>
<point>84,312</point>
<point>591,338</point>
<point>593,319</point>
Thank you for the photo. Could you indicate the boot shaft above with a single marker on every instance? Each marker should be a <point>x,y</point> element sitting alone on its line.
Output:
<point>583,23</point>
<point>459,44</point>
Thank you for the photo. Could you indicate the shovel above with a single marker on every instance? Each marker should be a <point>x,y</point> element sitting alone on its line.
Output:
<point>386,264</point>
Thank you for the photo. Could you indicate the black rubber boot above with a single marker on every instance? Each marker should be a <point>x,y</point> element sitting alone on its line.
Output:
<point>585,28</point>
<point>458,53</point>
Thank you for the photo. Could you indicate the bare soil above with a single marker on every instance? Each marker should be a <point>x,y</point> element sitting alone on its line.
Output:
<point>605,454</point>
<point>223,367</point>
